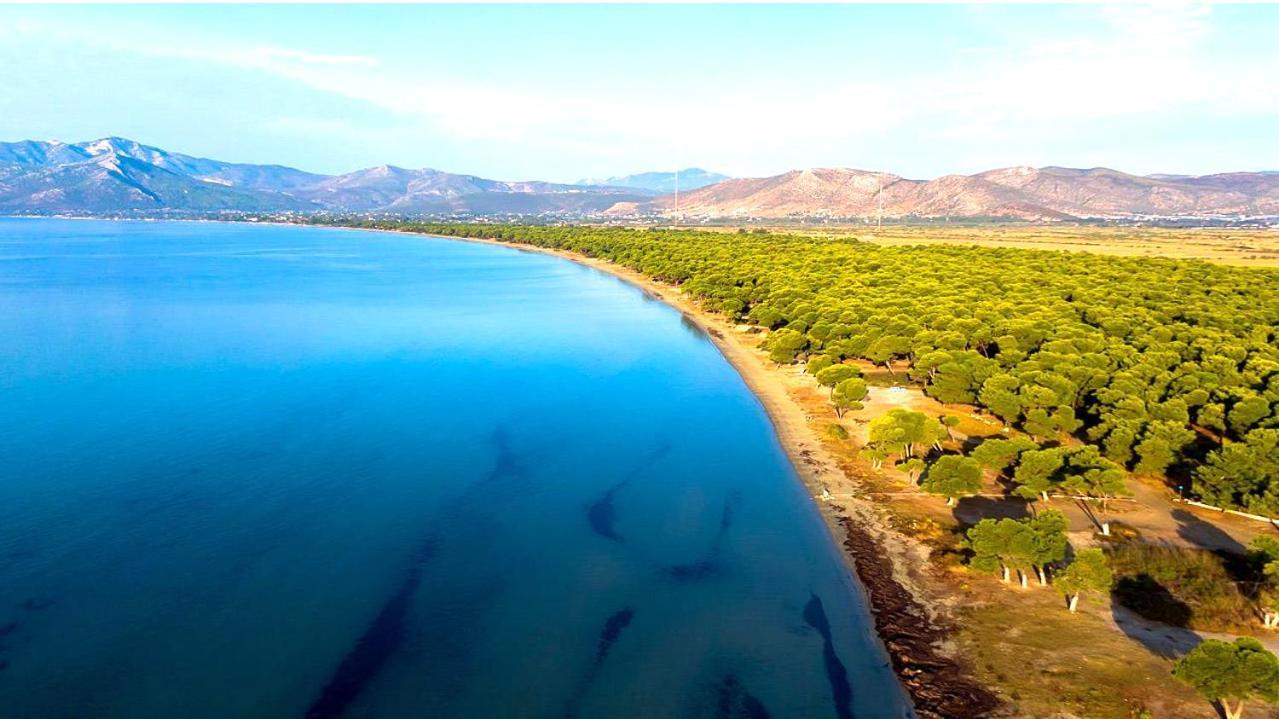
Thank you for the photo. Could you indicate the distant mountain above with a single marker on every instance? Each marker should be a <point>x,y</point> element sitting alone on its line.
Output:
<point>397,190</point>
<point>111,176</point>
<point>1026,193</point>
<point>115,175</point>
<point>663,182</point>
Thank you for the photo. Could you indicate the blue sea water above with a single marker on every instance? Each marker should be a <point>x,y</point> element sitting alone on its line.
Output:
<point>266,471</point>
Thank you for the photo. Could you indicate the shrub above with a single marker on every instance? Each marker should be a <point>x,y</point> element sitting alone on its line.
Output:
<point>1179,586</point>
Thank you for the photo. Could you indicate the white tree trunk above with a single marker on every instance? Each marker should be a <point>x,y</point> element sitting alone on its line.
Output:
<point>1044,495</point>
<point>1074,602</point>
<point>950,501</point>
<point>1006,575</point>
<point>1105,529</point>
<point>1043,576</point>
<point>1236,713</point>
<point>1021,575</point>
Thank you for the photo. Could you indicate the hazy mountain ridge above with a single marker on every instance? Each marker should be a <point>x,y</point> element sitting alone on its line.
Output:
<point>1026,193</point>
<point>114,174</point>
<point>691,178</point>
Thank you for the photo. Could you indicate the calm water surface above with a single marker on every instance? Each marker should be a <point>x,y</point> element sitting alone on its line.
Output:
<point>252,471</point>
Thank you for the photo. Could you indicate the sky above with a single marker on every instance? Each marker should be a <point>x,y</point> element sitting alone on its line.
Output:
<point>566,92</point>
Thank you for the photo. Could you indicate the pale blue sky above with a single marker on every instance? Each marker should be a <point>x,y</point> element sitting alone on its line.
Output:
<point>564,92</point>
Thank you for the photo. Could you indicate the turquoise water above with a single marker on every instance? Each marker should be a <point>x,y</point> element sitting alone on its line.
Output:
<point>260,471</point>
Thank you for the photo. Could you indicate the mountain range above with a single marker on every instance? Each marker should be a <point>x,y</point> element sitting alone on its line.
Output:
<point>1025,193</point>
<point>114,175</point>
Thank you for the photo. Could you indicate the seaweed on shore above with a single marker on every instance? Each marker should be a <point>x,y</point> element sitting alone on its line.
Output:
<point>938,684</point>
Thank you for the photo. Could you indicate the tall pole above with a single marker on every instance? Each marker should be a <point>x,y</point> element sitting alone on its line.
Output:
<point>677,192</point>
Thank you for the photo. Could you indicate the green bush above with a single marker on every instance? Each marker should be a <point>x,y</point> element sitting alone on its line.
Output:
<point>1179,586</point>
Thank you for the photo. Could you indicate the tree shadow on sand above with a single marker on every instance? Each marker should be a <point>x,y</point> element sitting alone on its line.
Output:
<point>1162,640</point>
<point>1204,534</point>
<point>971,510</point>
<point>1148,613</point>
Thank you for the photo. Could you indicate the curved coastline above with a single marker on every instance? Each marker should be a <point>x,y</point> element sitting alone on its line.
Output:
<point>739,609</point>
<point>885,562</point>
<point>910,624</point>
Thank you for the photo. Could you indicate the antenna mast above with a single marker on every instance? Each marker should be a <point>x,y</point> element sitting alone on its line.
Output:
<point>677,192</point>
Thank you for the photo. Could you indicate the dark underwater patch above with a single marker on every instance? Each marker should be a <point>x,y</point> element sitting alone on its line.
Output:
<point>709,563</point>
<point>378,642</point>
<point>602,513</point>
<point>506,462</point>
<point>836,674</point>
<point>737,703</point>
<point>609,634</point>
<point>613,627</point>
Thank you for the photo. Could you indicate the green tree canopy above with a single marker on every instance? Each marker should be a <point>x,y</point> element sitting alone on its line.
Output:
<point>1225,672</point>
<point>1089,572</point>
<point>784,344</point>
<point>833,375</point>
<point>1038,472</point>
<point>999,454</point>
<point>911,467</point>
<point>953,476</point>
<point>848,395</point>
<point>818,363</point>
<point>1048,541</point>
<point>1243,474</point>
<point>905,432</point>
<point>1000,545</point>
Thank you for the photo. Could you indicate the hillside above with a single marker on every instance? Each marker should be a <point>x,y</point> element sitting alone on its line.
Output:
<point>114,175</point>
<point>117,175</point>
<point>1025,193</point>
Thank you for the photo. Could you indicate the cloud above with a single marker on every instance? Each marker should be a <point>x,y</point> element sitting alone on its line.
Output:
<point>1139,61</point>
<point>1131,60</point>
<point>1109,63</point>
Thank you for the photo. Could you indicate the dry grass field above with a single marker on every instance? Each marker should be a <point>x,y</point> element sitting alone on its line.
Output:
<point>1242,247</point>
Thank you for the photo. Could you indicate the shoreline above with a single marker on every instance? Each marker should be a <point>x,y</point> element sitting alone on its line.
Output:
<point>913,627</point>
<point>908,623</point>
